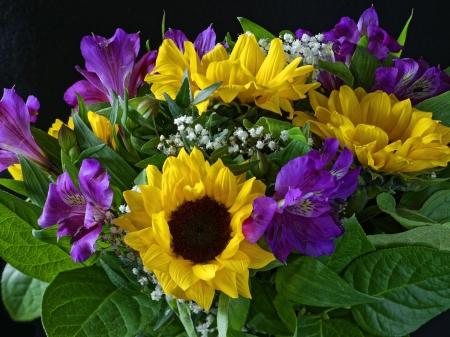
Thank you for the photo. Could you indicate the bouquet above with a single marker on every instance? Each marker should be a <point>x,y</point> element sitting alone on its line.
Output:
<point>260,185</point>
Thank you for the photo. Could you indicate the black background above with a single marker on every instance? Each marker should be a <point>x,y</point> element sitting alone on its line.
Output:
<point>39,48</point>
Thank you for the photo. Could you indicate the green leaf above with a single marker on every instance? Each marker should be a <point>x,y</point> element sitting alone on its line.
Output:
<point>49,235</point>
<point>70,168</point>
<point>258,31</point>
<point>339,69</point>
<point>237,312</point>
<point>184,96</point>
<point>157,160</point>
<point>270,125</point>
<point>296,134</point>
<point>286,313</point>
<point>116,278</point>
<point>415,200</point>
<point>434,237</point>
<point>238,169</point>
<point>122,174</point>
<point>222,314</point>
<point>19,248</point>
<point>230,42</point>
<point>185,317</point>
<point>95,306</point>
<point>325,289</point>
<point>88,153</point>
<point>36,182</point>
<point>17,186</point>
<point>439,106</point>
<point>363,65</point>
<point>165,313</point>
<point>293,150</point>
<point>402,38</point>
<point>312,327</point>
<point>48,144</point>
<point>414,283</point>
<point>205,93</point>
<point>174,109</point>
<point>351,245</point>
<point>82,110</point>
<point>94,107</point>
<point>21,294</point>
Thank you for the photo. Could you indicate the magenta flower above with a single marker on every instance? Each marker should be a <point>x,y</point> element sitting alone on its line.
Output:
<point>302,213</point>
<point>110,65</point>
<point>410,79</point>
<point>15,133</point>
<point>79,214</point>
<point>205,41</point>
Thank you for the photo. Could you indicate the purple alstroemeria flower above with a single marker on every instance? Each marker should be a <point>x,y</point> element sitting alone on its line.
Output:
<point>205,41</point>
<point>410,79</point>
<point>110,65</point>
<point>33,106</point>
<point>302,213</point>
<point>79,214</point>
<point>15,133</point>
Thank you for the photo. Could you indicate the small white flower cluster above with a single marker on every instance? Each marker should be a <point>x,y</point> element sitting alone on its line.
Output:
<point>204,328</point>
<point>309,48</point>
<point>247,142</point>
<point>196,134</point>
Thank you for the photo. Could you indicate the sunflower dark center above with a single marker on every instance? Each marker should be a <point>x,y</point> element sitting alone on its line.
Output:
<point>200,229</point>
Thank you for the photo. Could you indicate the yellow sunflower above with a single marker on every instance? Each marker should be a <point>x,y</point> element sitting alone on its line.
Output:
<point>186,223</point>
<point>246,74</point>
<point>384,133</point>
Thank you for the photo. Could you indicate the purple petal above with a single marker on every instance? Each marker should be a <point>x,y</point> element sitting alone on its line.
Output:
<point>205,42</point>
<point>329,81</point>
<point>425,86</point>
<point>279,237</point>
<point>70,225</point>
<point>94,184</point>
<point>95,216</point>
<point>111,59</point>
<point>347,185</point>
<point>286,179</point>
<point>345,30</point>
<point>299,33</point>
<point>381,43</point>
<point>326,154</point>
<point>292,197</point>
<point>176,36</point>
<point>369,16</point>
<point>385,79</point>
<point>142,68</point>
<point>15,134</point>
<point>263,211</point>
<point>310,207</point>
<point>33,107</point>
<point>7,158</point>
<point>408,72</point>
<point>342,164</point>
<point>90,93</point>
<point>84,242</point>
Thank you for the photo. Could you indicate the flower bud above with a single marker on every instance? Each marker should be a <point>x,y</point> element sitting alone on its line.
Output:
<point>148,108</point>
<point>67,138</point>
<point>260,169</point>
<point>74,153</point>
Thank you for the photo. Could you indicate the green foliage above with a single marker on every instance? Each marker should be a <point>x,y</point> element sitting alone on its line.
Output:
<point>413,282</point>
<point>48,144</point>
<point>363,65</point>
<point>21,294</point>
<point>17,186</point>
<point>36,182</point>
<point>96,307</point>
<point>313,327</point>
<point>21,249</point>
<point>258,31</point>
<point>339,69</point>
<point>402,38</point>
<point>439,106</point>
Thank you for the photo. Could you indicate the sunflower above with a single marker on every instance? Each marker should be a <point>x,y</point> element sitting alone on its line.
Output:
<point>246,74</point>
<point>384,133</point>
<point>186,223</point>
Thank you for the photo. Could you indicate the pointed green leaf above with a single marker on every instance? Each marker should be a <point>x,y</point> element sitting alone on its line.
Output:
<point>363,65</point>
<point>17,186</point>
<point>414,283</point>
<point>82,110</point>
<point>205,93</point>
<point>184,96</point>
<point>439,106</point>
<point>174,109</point>
<point>402,38</point>
<point>36,182</point>
<point>157,160</point>
<point>21,294</point>
<point>222,314</point>
<point>48,144</point>
<point>238,169</point>
<point>95,306</point>
<point>258,31</point>
<point>185,317</point>
<point>339,69</point>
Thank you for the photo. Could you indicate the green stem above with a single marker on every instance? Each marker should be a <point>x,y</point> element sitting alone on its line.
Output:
<point>167,325</point>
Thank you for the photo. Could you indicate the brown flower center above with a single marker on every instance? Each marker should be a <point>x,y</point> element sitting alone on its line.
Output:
<point>200,229</point>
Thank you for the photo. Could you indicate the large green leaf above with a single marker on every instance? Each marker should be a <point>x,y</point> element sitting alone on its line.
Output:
<point>434,237</point>
<point>122,174</point>
<point>83,302</point>
<point>353,243</point>
<point>363,66</point>
<point>21,249</point>
<point>439,106</point>
<point>21,294</point>
<point>36,182</point>
<point>313,327</point>
<point>48,144</point>
<point>237,312</point>
<point>339,69</point>
<point>414,283</point>
<point>325,289</point>
<point>402,38</point>
<point>257,30</point>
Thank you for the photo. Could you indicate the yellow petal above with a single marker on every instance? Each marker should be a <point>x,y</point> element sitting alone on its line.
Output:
<point>219,53</point>
<point>225,281</point>
<point>152,199</point>
<point>365,134</point>
<point>181,272</point>
<point>211,176</point>
<point>156,259</point>
<point>134,221</point>
<point>242,284</point>
<point>172,195</point>
<point>248,52</point>
<point>239,217</point>
<point>269,102</point>
<point>153,176</point>
<point>259,258</point>
<point>317,99</point>
<point>225,187</point>
<point>15,171</point>
<point>167,283</point>
<point>140,240</point>
<point>161,231</point>
<point>350,104</point>
<point>206,271</point>
<point>242,196</point>
<point>134,201</point>
<point>237,263</point>
<point>375,109</point>
<point>194,193</point>
<point>201,293</point>
<point>232,246</point>
<point>273,63</point>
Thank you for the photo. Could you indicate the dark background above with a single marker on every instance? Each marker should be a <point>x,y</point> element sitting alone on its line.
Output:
<point>40,46</point>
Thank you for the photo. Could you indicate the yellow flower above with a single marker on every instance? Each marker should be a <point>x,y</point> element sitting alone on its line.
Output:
<point>186,223</point>
<point>246,74</point>
<point>15,171</point>
<point>384,133</point>
<point>54,129</point>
